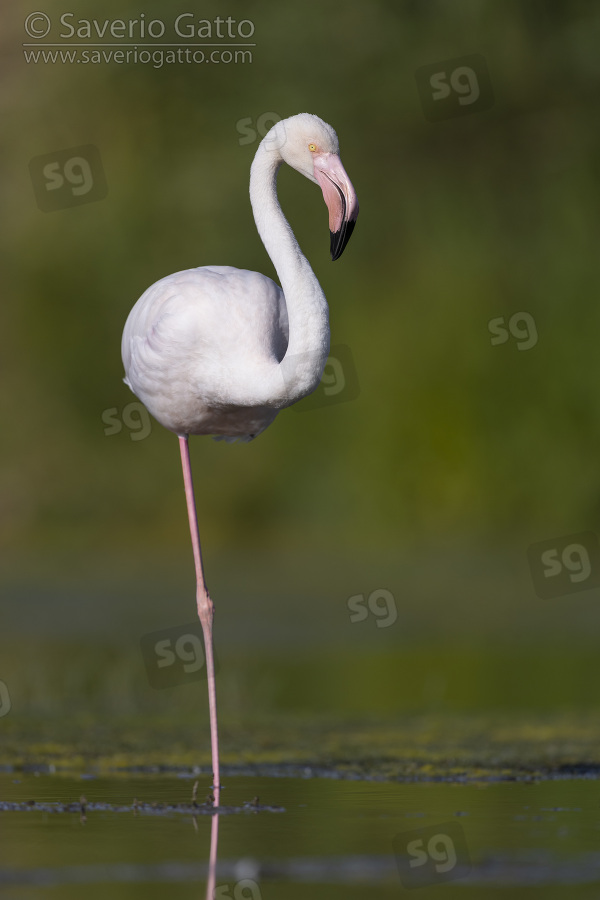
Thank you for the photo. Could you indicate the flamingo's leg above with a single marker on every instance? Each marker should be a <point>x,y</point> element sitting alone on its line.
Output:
<point>205,612</point>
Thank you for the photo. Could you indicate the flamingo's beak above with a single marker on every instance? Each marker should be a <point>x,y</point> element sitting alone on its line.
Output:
<point>340,197</point>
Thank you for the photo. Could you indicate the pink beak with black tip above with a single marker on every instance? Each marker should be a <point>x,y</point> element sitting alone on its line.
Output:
<point>340,197</point>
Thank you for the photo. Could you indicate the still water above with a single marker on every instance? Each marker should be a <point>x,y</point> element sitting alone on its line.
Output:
<point>333,838</point>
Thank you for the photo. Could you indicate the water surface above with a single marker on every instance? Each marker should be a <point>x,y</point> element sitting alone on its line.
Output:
<point>336,838</point>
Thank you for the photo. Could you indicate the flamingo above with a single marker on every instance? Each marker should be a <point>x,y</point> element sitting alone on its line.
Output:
<point>220,351</point>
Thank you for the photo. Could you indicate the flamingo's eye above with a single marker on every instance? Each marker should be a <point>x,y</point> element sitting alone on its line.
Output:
<point>312,147</point>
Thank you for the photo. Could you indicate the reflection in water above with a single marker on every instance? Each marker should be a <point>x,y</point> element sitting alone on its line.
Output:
<point>223,891</point>
<point>214,842</point>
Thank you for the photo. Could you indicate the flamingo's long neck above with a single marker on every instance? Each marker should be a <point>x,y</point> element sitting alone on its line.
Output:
<point>308,313</point>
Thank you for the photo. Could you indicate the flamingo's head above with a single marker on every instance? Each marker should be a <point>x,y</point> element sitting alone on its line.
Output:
<point>310,145</point>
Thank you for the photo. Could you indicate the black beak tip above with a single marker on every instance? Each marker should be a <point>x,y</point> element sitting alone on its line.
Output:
<point>340,238</point>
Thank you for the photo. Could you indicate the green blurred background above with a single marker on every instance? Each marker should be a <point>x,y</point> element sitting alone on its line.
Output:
<point>457,454</point>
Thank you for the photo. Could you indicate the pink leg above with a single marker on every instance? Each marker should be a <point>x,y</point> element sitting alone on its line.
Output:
<point>205,612</point>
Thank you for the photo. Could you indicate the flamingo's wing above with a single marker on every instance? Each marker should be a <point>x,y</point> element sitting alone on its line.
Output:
<point>194,340</point>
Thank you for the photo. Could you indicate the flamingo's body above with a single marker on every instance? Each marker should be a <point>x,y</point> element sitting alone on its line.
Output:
<point>218,350</point>
<point>190,342</point>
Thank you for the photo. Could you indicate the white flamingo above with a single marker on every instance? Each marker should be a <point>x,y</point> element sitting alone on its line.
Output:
<point>219,351</point>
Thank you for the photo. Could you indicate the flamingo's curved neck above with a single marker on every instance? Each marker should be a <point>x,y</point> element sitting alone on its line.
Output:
<point>308,313</point>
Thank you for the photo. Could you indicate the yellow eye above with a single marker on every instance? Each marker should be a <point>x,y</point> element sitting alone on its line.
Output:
<point>312,147</point>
